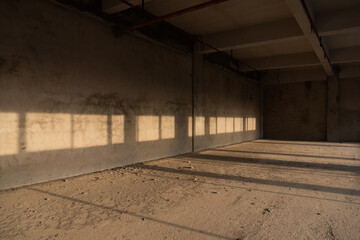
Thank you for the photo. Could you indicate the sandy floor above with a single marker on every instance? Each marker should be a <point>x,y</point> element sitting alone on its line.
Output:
<point>256,190</point>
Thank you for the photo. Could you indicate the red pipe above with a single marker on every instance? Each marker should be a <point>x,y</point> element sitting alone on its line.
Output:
<point>171,15</point>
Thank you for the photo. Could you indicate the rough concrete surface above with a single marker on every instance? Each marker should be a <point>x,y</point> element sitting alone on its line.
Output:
<point>254,190</point>
<point>296,111</point>
<point>350,109</point>
<point>74,99</point>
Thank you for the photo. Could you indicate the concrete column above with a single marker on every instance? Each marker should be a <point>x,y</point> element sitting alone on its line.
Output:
<point>333,109</point>
<point>262,108</point>
<point>196,77</point>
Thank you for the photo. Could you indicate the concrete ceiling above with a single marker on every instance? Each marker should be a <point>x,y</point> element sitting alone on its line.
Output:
<point>274,34</point>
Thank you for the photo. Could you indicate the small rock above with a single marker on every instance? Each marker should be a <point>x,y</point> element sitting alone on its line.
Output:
<point>249,190</point>
<point>178,177</point>
<point>252,203</point>
<point>143,219</point>
<point>266,210</point>
<point>189,167</point>
<point>46,199</point>
<point>65,180</point>
<point>195,179</point>
<point>318,213</point>
<point>215,192</point>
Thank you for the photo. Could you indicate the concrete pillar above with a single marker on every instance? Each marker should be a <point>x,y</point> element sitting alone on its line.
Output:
<point>262,108</point>
<point>333,109</point>
<point>196,77</point>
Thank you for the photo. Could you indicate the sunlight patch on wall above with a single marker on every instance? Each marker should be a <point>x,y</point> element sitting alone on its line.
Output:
<point>199,126</point>
<point>250,124</point>
<point>221,125</point>
<point>229,125</point>
<point>212,127</point>
<point>9,133</point>
<point>167,127</point>
<point>90,130</point>
<point>117,129</point>
<point>238,124</point>
<point>190,126</point>
<point>147,128</point>
<point>47,131</point>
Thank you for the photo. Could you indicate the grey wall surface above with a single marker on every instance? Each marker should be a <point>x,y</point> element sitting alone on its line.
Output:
<point>296,111</point>
<point>231,106</point>
<point>350,109</point>
<point>74,99</point>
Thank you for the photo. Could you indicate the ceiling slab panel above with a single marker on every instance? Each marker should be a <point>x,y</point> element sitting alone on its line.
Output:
<point>291,47</point>
<point>229,15</point>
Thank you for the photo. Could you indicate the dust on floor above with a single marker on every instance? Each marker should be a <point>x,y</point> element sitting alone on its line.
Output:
<point>255,190</point>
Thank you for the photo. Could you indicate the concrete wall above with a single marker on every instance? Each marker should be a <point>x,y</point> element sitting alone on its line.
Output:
<point>296,111</point>
<point>73,99</point>
<point>350,109</point>
<point>230,105</point>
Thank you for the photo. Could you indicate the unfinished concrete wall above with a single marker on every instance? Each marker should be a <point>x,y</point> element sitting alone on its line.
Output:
<point>73,99</point>
<point>296,111</point>
<point>227,108</point>
<point>350,109</point>
<point>333,109</point>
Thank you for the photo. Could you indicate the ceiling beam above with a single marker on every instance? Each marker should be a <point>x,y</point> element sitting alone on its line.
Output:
<point>285,30</point>
<point>302,16</point>
<point>282,61</point>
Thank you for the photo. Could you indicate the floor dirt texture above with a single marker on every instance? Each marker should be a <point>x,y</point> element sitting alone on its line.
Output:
<point>254,190</point>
